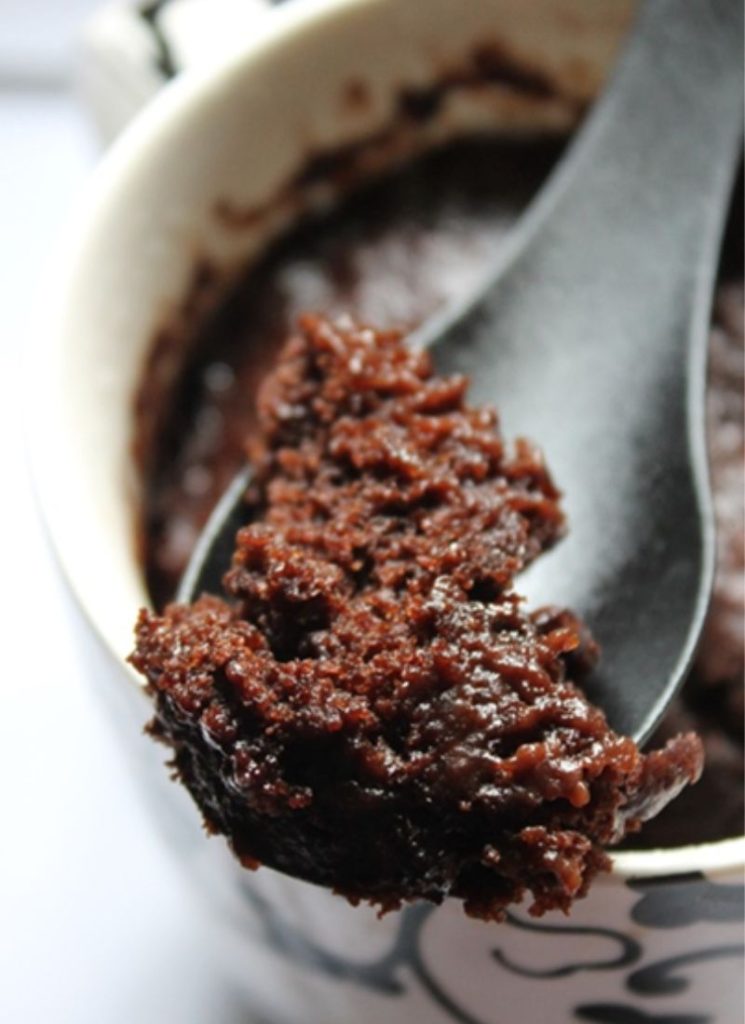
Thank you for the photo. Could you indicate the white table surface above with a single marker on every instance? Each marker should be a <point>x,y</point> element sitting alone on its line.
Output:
<point>98,925</point>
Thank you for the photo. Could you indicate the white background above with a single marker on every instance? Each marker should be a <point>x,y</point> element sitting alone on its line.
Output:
<point>97,925</point>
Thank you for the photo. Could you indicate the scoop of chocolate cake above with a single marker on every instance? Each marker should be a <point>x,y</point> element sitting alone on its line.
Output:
<point>371,707</point>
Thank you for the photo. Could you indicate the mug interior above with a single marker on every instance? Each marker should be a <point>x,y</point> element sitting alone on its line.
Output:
<point>239,132</point>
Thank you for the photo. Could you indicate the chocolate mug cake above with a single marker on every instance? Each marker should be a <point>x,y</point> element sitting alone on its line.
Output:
<point>199,189</point>
<point>372,708</point>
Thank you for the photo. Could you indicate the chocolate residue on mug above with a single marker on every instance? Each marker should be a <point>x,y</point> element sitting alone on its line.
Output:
<point>356,96</point>
<point>488,67</point>
<point>489,64</point>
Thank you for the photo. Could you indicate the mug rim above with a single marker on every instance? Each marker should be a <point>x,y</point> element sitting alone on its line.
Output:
<point>175,103</point>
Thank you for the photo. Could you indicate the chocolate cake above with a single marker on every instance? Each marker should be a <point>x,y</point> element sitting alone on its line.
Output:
<point>371,706</point>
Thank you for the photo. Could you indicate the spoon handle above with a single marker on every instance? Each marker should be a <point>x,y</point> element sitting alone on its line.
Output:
<point>666,130</point>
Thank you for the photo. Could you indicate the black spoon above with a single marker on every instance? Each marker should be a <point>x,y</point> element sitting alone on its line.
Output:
<point>590,336</point>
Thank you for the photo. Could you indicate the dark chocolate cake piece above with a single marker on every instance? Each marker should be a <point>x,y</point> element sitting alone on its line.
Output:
<point>371,707</point>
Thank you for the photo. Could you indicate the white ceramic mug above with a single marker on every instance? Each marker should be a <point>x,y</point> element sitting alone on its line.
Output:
<point>657,940</point>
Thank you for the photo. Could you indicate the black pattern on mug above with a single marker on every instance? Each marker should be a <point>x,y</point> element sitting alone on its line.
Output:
<point>382,975</point>
<point>664,977</point>
<point>164,59</point>
<point>629,950</point>
<point>681,900</point>
<point>616,1013</point>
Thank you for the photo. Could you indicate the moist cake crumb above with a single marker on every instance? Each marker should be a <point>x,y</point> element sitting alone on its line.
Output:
<point>371,706</point>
